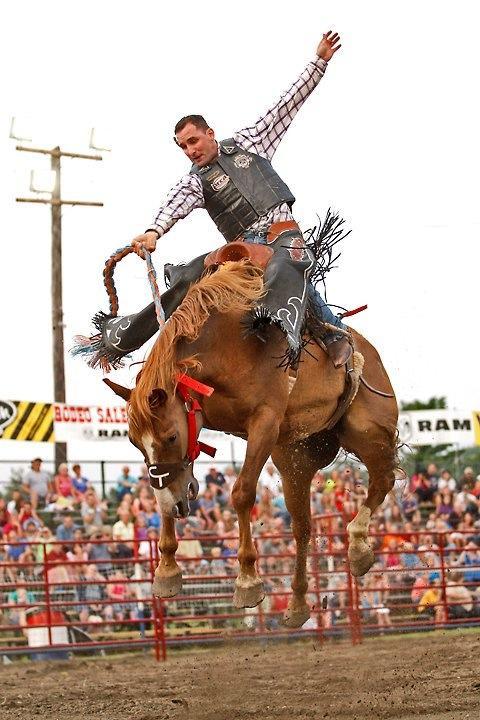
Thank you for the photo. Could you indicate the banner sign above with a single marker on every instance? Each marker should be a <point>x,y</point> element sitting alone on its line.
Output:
<point>21,420</point>
<point>50,422</point>
<point>439,427</point>
<point>74,422</point>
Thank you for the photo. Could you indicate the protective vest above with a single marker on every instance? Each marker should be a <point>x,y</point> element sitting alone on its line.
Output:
<point>239,188</point>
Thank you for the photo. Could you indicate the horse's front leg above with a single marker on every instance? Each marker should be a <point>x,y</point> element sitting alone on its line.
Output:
<point>262,435</point>
<point>168,576</point>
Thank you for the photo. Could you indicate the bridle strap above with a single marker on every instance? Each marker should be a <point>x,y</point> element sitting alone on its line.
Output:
<point>194,422</point>
<point>162,474</point>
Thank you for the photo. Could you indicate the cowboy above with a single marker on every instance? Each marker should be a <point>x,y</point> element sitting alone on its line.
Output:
<point>247,200</point>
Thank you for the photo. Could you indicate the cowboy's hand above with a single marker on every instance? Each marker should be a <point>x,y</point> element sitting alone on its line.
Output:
<point>147,240</point>
<point>328,45</point>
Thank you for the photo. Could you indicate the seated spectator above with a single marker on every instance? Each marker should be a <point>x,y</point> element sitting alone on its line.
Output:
<point>28,513</point>
<point>476,488</point>
<point>280,509</point>
<point>63,487</point>
<point>409,559</point>
<point>230,479</point>
<point>409,505</point>
<point>419,587</point>
<point>37,484</point>
<point>214,477</point>
<point>444,504</point>
<point>93,593</point>
<point>118,593</point>
<point>142,495</point>
<point>148,548</point>
<point>93,512</point>
<point>126,483</point>
<point>470,559</point>
<point>271,479</point>
<point>123,529</point>
<point>18,599</point>
<point>140,528</point>
<point>467,524</point>
<point>466,498</point>
<point>458,597</point>
<point>226,524</point>
<point>456,515</point>
<point>229,554</point>
<point>432,475</point>
<point>99,551</point>
<point>217,564</point>
<point>189,548</point>
<point>430,602</point>
<point>424,490</point>
<point>375,596</point>
<point>209,509</point>
<point>468,479</point>
<point>278,603</point>
<point>143,479</point>
<point>31,531</point>
<point>447,482</point>
<point>15,546</point>
<point>80,483</point>
<point>15,504</point>
<point>5,520</point>
<point>150,514</point>
<point>57,568</point>
<point>264,506</point>
<point>65,531</point>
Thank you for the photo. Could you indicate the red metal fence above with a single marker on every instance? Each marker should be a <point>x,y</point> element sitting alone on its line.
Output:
<point>96,595</point>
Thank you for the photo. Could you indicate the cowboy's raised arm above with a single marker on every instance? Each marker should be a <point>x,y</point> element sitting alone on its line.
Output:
<point>264,136</point>
<point>185,196</point>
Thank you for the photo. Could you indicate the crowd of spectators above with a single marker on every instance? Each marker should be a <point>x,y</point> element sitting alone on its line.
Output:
<point>61,520</point>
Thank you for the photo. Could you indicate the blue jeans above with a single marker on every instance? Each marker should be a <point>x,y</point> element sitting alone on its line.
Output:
<point>322,310</point>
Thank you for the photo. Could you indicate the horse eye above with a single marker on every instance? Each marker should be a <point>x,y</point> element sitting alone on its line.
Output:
<point>172,439</point>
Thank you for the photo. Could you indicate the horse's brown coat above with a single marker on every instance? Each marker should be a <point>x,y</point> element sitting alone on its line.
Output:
<point>251,400</point>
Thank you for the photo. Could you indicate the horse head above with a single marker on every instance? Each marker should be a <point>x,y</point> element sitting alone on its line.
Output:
<point>158,427</point>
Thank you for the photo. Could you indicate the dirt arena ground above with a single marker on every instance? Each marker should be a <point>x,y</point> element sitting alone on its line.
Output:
<point>432,677</point>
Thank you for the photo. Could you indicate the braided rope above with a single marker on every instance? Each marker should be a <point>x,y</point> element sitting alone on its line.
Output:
<point>109,269</point>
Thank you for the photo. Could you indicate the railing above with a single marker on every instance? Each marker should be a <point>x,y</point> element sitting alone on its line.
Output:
<point>50,604</point>
<point>102,474</point>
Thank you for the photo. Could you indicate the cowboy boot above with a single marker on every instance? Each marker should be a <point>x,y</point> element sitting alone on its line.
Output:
<point>339,349</point>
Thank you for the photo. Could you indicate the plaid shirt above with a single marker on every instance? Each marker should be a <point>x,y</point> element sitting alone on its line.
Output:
<point>261,138</point>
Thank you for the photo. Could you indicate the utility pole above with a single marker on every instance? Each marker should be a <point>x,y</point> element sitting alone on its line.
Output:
<point>56,202</point>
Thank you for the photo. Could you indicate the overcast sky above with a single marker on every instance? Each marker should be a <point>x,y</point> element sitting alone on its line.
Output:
<point>389,139</point>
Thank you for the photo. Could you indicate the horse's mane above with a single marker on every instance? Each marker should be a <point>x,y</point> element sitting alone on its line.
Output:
<point>235,286</point>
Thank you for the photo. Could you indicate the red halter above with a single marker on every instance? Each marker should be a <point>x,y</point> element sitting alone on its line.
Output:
<point>192,406</point>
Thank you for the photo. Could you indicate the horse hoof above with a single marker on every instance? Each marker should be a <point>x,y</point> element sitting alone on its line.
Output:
<point>296,618</point>
<point>248,595</point>
<point>166,587</point>
<point>361,559</point>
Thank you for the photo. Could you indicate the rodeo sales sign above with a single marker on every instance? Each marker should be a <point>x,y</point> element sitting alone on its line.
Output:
<point>74,422</point>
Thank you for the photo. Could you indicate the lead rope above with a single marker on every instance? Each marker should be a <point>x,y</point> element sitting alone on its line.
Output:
<point>108,271</point>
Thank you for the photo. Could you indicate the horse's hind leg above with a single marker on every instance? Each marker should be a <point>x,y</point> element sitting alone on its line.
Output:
<point>297,464</point>
<point>380,456</point>
<point>262,435</point>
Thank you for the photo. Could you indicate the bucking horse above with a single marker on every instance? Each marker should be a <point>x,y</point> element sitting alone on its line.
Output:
<point>204,347</point>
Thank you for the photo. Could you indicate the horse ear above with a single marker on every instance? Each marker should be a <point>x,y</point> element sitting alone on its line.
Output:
<point>123,392</point>
<point>157,398</point>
